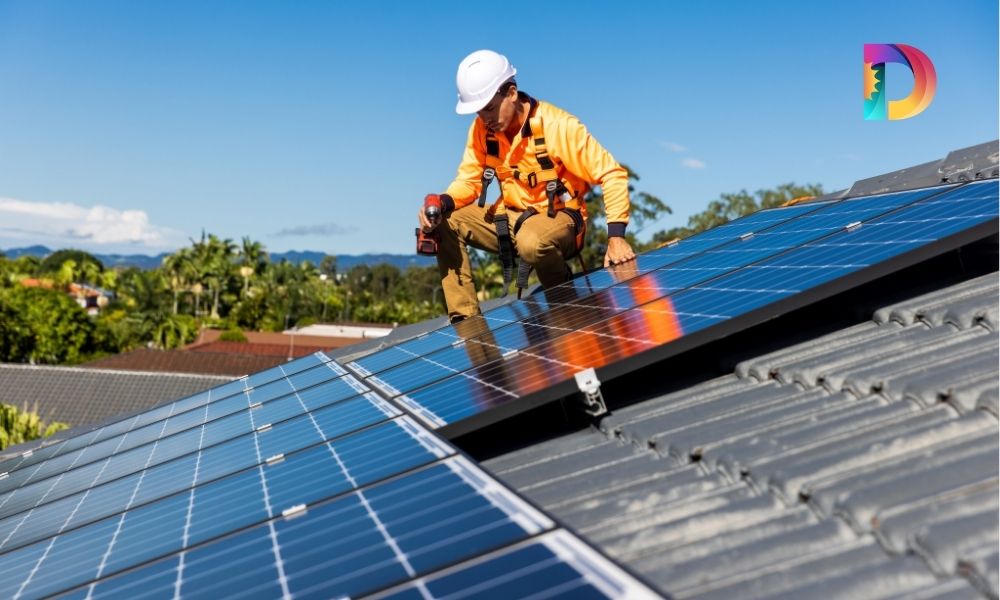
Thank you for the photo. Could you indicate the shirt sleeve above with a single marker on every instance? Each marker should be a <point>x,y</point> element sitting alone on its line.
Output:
<point>464,190</point>
<point>586,158</point>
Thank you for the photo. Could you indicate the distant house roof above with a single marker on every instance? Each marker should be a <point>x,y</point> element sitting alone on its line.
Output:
<point>183,361</point>
<point>258,349</point>
<point>859,464</point>
<point>274,338</point>
<point>80,396</point>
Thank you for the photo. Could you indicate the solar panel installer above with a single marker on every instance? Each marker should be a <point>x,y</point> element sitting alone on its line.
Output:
<point>544,161</point>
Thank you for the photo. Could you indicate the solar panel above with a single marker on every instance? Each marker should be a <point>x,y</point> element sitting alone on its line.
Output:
<point>502,370</point>
<point>318,491</point>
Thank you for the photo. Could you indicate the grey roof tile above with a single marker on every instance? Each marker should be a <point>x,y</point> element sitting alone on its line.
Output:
<point>847,441</point>
<point>750,398</point>
<point>80,396</point>
<point>839,422</point>
<point>859,498</point>
<point>601,504</point>
<point>603,456</point>
<point>861,372</point>
<point>892,577</point>
<point>695,519</point>
<point>949,589</point>
<point>789,475</point>
<point>702,438</point>
<point>716,388</point>
<point>799,524</point>
<point>565,481</point>
<point>768,366</point>
<point>946,543</point>
<point>959,356</point>
<point>895,526</point>
<point>980,568</point>
<point>932,307</point>
<point>745,551</point>
<point>988,401</point>
<point>542,453</point>
<point>815,369</point>
<point>963,390</point>
<point>829,561</point>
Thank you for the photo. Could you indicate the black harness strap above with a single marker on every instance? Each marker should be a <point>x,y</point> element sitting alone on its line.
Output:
<point>506,247</point>
<point>490,172</point>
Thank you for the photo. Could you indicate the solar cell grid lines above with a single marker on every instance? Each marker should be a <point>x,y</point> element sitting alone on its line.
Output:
<point>148,482</point>
<point>103,445</point>
<point>149,418</point>
<point>669,305</point>
<point>213,437</point>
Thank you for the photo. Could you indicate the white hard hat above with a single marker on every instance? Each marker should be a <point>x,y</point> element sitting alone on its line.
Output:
<point>480,75</point>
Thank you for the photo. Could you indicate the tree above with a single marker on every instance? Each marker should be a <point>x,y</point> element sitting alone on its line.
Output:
<point>179,272</point>
<point>22,425</point>
<point>86,265</point>
<point>49,327</point>
<point>253,257</point>
<point>732,206</point>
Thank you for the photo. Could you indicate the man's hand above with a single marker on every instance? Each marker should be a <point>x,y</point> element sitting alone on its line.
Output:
<point>618,252</point>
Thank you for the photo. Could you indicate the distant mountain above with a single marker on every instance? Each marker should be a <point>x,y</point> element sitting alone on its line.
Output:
<point>344,261</point>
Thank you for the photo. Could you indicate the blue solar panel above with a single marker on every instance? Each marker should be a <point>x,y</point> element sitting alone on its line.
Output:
<point>284,418</point>
<point>354,543</point>
<point>680,300</point>
<point>316,491</point>
<point>302,372</point>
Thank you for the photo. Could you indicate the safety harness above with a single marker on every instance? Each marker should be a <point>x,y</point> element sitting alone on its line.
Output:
<point>558,195</point>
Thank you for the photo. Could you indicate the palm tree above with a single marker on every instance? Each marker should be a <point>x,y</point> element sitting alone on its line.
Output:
<point>253,256</point>
<point>179,271</point>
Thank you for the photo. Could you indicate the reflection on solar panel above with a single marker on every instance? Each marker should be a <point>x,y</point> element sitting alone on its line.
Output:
<point>481,370</point>
<point>294,481</point>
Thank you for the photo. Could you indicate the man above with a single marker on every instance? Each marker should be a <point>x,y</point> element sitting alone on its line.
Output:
<point>545,161</point>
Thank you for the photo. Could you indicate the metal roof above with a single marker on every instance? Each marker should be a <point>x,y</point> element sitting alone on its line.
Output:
<point>860,464</point>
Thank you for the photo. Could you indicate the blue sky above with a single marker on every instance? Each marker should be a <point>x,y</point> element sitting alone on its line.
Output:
<point>131,126</point>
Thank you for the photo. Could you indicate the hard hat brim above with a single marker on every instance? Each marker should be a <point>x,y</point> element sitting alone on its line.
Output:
<point>471,108</point>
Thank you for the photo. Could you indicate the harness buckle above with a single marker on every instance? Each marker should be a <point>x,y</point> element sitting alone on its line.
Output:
<point>532,179</point>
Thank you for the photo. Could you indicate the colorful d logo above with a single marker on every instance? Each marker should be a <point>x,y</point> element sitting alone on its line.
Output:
<point>924,81</point>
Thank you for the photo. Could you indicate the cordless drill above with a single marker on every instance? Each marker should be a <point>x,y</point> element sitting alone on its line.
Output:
<point>427,243</point>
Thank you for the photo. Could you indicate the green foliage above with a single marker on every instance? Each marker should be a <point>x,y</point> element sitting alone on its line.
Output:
<point>732,206</point>
<point>21,425</point>
<point>84,262</point>
<point>173,331</point>
<point>43,326</point>
<point>233,335</point>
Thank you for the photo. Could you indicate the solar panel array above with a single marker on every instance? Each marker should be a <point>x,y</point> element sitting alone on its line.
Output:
<point>483,369</point>
<point>296,481</point>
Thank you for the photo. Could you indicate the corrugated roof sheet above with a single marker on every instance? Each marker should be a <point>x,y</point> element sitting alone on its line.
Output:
<point>862,464</point>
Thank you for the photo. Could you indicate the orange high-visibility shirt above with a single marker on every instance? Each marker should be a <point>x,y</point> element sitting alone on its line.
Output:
<point>580,162</point>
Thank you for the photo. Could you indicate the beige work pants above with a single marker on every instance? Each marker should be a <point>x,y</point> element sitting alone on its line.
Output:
<point>541,242</point>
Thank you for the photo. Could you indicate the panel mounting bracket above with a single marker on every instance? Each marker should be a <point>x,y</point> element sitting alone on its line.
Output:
<point>590,386</point>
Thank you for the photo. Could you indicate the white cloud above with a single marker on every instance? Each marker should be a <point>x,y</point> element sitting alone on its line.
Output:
<point>693,163</point>
<point>60,222</point>
<point>673,146</point>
